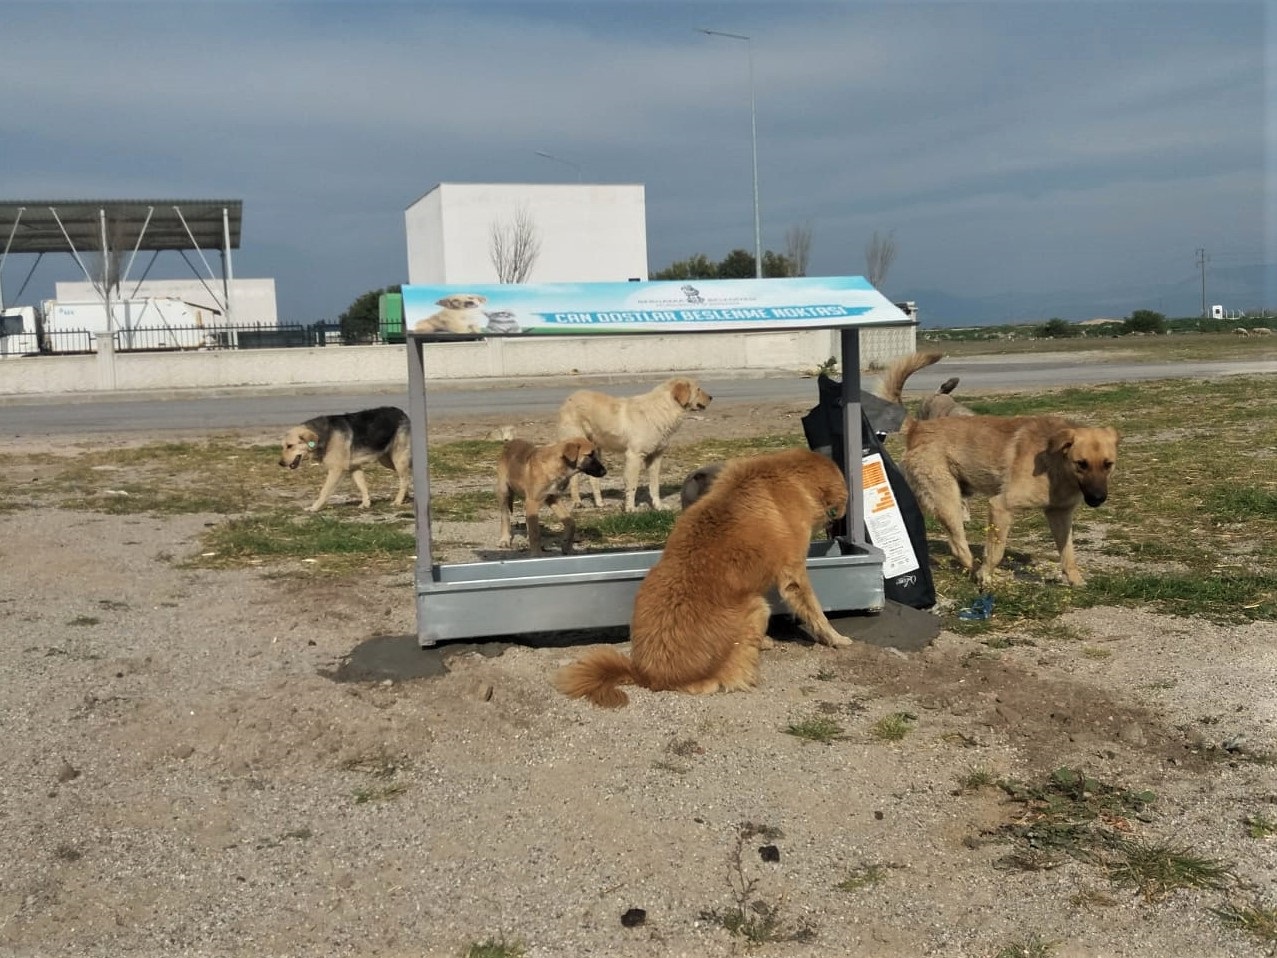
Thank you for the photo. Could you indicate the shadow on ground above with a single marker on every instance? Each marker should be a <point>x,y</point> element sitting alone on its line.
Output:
<point>400,657</point>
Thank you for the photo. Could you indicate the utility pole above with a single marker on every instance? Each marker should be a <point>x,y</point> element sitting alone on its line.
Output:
<point>1202,260</point>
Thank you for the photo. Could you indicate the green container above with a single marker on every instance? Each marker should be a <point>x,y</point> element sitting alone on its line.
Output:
<point>390,317</point>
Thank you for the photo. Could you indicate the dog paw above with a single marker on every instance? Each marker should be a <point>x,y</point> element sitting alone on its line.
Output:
<point>504,543</point>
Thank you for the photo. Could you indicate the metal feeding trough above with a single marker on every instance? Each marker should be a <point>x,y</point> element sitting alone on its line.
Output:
<point>596,589</point>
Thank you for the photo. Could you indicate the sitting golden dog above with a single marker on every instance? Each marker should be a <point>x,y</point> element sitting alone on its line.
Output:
<point>700,616</point>
<point>540,474</point>
<point>461,313</point>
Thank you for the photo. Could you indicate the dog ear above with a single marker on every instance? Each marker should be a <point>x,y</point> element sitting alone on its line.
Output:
<point>572,452</point>
<point>682,392</point>
<point>1061,440</point>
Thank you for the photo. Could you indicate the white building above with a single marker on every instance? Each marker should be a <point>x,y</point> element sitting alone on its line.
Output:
<point>252,300</point>
<point>588,232</point>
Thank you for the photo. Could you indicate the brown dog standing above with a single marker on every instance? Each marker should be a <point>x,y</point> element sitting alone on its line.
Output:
<point>1019,462</point>
<point>700,616</point>
<point>540,474</point>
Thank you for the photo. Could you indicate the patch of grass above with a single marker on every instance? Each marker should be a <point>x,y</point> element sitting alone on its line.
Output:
<point>464,459</point>
<point>1157,869</point>
<point>382,767</point>
<point>85,620</point>
<point>750,916</point>
<point>1034,946</point>
<point>713,450</point>
<point>469,506</point>
<point>1234,503</point>
<point>496,948</point>
<point>1235,596</point>
<point>1095,652</point>
<point>1260,826</point>
<point>1068,814</point>
<point>379,793</point>
<point>825,675</point>
<point>275,535</point>
<point>378,764</point>
<point>893,727</point>
<point>132,498</point>
<point>818,728</point>
<point>863,876</point>
<point>646,527</point>
<point>1259,920</point>
<point>976,778</point>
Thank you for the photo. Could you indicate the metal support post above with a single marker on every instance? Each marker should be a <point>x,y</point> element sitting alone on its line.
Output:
<point>853,441</point>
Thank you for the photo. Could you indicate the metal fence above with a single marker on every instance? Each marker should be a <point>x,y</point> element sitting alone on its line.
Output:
<point>151,339</point>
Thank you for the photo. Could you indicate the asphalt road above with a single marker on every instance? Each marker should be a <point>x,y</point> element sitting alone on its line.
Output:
<point>229,409</point>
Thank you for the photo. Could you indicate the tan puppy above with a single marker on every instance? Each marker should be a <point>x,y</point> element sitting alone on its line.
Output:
<point>638,426</point>
<point>345,443</point>
<point>540,475</point>
<point>1019,462</point>
<point>461,313</point>
<point>936,406</point>
<point>700,616</point>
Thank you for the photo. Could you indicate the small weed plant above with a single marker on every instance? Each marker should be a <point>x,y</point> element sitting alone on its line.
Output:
<point>893,727</point>
<point>751,917</point>
<point>818,728</point>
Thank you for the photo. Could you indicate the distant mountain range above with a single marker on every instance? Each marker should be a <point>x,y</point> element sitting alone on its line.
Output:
<point>1235,287</point>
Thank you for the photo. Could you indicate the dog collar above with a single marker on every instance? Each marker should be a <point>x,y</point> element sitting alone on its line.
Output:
<point>311,444</point>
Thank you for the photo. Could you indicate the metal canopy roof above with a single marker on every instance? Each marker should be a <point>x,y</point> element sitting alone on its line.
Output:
<point>130,224</point>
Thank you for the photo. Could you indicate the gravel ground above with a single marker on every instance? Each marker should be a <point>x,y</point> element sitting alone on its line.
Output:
<point>189,770</point>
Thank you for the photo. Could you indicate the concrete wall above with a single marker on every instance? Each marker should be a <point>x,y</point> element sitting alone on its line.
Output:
<point>588,232</point>
<point>500,358</point>
<point>252,300</point>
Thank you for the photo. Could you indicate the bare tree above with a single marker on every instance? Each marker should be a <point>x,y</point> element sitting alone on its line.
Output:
<point>879,254</point>
<point>514,247</point>
<point>798,248</point>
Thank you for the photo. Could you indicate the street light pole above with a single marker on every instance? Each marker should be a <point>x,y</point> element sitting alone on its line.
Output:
<point>753,132</point>
<point>559,159</point>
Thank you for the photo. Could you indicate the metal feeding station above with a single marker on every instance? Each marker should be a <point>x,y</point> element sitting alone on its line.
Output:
<point>590,590</point>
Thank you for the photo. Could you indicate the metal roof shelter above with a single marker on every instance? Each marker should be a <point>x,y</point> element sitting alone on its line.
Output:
<point>115,229</point>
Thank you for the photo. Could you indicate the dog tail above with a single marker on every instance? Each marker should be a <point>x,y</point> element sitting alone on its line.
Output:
<point>595,676</point>
<point>893,380</point>
<point>948,386</point>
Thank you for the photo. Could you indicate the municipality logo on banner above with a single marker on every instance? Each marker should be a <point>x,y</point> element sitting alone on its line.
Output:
<point>584,308</point>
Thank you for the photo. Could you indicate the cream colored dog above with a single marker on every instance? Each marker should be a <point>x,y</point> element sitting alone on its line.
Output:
<point>461,313</point>
<point>639,426</point>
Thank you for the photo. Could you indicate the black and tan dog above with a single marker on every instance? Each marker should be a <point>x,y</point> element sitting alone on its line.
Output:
<point>347,442</point>
<point>541,474</point>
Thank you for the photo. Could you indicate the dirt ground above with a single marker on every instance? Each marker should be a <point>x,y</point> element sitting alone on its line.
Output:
<point>193,767</point>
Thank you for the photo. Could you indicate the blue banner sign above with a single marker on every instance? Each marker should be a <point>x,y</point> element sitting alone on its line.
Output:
<point>718,305</point>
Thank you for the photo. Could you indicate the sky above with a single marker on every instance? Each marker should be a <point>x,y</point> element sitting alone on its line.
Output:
<point>1015,148</point>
